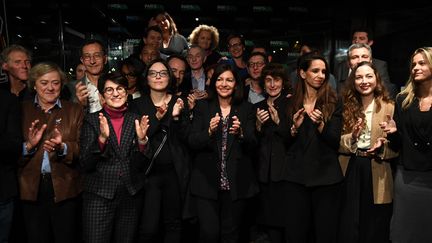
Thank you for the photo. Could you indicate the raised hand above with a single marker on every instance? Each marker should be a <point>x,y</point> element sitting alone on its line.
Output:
<point>377,145</point>
<point>55,143</point>
<point>316,116</point>
<point>161,111</point>
<point>178,107</point>
<point>104,128</point>
<point>214,122</point>
<point>235,128</point>
<point>81,93</point>
<point>34,134</point>
<point>141,127</point>
<point>262,116</point>
<point>298,118</point>
<point>388,126</point>
<point>191,101</point>
<point>273,114</point>
<point>358,127</point>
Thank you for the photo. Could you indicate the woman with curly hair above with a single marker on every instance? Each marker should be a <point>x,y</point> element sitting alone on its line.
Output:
<point>365,158</point>
<point>207,37</point>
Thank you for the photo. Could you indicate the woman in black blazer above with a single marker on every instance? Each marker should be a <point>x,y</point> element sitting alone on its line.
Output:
<point>222,176</point>
<point>314,113</point>
<point>272,174</point>
<point>168,174</point>
<point>110,141</point>
<point>411,134</point>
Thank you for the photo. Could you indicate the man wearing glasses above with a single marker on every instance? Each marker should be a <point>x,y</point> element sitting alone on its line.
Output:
<point>255,65</point>
<point>94,58</point>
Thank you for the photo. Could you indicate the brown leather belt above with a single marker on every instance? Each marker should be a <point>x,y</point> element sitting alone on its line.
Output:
<point>363,153</point>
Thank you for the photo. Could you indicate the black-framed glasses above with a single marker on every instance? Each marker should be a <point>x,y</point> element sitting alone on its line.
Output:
<point>255,64</point>
<point>130,75</point>
<point>110,90</point>
<point>162,73</point>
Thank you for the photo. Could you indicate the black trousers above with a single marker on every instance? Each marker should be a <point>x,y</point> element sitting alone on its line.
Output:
<point>362,221</point>
<point>47,221</point>
<point>315,213</point>
<point>161,215</point>
<point>220,220</point>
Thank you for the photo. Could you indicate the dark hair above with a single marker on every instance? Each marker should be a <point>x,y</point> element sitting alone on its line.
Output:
<point>232,36</point>
<point>115,77</point>
<point>155,28</point>
<point>276,70</point>
<point>171,79</point>
<point>257,53</point>
<point>136,67</point>
<point>326,96</point>
<point>173,27</point>
<point>93,41</point>
<point>186,85</point>
<point>366,29</point>
<point>237,96</point>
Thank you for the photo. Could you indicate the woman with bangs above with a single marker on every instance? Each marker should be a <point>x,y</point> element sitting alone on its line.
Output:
<point>168,173</point>
<point>365,158</point>
<point>272,174</point>
<point>313,172</point>
<point>222,176</point>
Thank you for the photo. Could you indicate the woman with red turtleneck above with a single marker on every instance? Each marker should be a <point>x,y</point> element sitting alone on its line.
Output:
<point>112,140</point>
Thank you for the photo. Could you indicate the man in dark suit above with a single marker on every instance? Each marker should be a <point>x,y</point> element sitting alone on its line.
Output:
<point>10,149</point>
<point>342,69</point>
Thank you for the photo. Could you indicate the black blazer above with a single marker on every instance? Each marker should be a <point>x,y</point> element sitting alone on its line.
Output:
<point>177,132</point>
<point>413,137</point>
<point>103,171</point>
<point>312,157</point>
<point>10,144</point>
<point>272,148</point>
<point>205,175</point>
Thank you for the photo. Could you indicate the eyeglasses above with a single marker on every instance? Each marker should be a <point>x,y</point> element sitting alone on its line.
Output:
<point>236,45</point>
<point>255,64</point>
<point>96,56</point>
<point>110,90</point>
<point>162,73</point>
<point>130,75</point>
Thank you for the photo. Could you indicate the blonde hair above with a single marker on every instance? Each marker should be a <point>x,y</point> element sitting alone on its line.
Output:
<point>193,37</point>
<point>411,88</point>
<point>43,68</point>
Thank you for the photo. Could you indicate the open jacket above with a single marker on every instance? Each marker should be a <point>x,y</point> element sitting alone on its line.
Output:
<point>382,179</point>
<point>104,171</point>
<point>64,169</point>
<point>205,175</point>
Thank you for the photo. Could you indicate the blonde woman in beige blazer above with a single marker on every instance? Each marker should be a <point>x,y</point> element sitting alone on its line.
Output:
<point>365,158</point>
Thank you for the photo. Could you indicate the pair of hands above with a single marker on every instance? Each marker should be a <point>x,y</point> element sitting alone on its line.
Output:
<point>35,134</point>
<point>141,128</point>
<point>234,129</point>
<point>264,115</point>
<point>388,127</point>
<point>315,115</point>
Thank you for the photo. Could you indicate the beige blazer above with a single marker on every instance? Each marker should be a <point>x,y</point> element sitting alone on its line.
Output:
<point>382,179</point>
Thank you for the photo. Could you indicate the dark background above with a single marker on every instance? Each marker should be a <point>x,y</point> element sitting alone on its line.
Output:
<point>54,30</point>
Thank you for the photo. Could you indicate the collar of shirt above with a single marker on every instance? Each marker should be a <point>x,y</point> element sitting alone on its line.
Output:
<point>57,103</point>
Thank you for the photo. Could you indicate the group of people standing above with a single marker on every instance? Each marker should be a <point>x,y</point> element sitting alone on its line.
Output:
<point>317,164</point>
